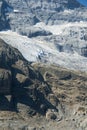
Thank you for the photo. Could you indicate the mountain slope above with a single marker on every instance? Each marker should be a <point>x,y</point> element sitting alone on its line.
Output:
<point>44,49</point>
<point>40,96</point>
<point>30,13</point>
<point>56,29</point>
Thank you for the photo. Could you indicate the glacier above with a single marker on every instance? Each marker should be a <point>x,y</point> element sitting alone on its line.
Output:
<point>39,49</point>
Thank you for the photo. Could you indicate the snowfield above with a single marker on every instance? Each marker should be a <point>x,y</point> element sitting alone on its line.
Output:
<point>37,50</point>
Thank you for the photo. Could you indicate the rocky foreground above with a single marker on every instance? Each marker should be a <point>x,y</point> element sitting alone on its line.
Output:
<point>38,96</point>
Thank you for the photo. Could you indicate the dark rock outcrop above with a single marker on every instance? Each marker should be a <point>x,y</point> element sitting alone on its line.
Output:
<point>32,90</point>
<point>34,32</point>
<point>84,51</point>
<point>12,63</point>
<point>25,85</point>
<point>4,21</point>
<point>5,81</point>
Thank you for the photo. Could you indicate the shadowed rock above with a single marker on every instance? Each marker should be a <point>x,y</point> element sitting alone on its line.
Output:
<point>25,85</point>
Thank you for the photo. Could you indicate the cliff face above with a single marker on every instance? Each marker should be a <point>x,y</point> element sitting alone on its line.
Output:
<point>55,5</point>
<point>15,13</point>
<point>4,21</point>
<point>38,96</point>
<point>7,58</point>
<point>41,94</point>
<point>22,82</point>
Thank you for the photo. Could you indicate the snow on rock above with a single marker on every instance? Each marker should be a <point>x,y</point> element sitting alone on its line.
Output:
<point>57,29</point>
<point>29,48</point>
<point>35,50</point>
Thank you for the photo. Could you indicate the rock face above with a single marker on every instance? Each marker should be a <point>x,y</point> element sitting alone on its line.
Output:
<point>36,93</point>
<point>33,32</point>
<point>30,13</point>
<point>8,55</point>
<point>25,85</point>
<point>69,93</point>
<point>23,19</point>
<point>5,81</point>
<point>4,21</point>
<point>8,58</point>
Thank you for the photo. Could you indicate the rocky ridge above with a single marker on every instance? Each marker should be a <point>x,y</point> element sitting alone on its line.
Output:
<point>4,21</point>
<point>30,13</point>
<point>16,74</point>
<point>23,89</point>
<point>34,93</point>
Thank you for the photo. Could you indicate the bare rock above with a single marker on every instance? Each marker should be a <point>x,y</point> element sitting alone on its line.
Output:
<point>23,80</point>
<point>5,81</point>
<point>53,99</point>
<point>50,115</point>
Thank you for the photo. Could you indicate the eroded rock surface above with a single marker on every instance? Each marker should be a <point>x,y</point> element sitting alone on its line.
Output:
<point>24,84</point>
<point>29,13</point>
<point>39,96</point>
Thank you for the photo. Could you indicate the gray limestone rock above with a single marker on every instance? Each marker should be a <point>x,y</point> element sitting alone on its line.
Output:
<point>4,21</point>
<point>30,13</point>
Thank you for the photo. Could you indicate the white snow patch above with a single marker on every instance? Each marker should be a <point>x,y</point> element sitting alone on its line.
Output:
<point>68,11</point>
<point>16,11</point>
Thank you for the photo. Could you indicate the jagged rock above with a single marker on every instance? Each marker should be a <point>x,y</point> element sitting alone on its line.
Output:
<point>10,75</point>
<point>33,32</point>
<point>8,55</point>
<point>22,66</point>
<point>30,13</point>
<point>5,81</point>
<point>23,80</point>
<point>23,83</point>
<point>84,51</point>
<point>4,21</point>
<point>58,97</point>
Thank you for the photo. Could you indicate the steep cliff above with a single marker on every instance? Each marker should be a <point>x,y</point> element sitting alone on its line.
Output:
<point>4,21</point>
<point>40,96</point>
<point>15,13</point>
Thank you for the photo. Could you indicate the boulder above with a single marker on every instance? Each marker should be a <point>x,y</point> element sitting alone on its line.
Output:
<point>50,115</point>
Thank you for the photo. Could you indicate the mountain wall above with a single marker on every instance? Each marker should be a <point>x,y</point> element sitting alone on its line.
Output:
<point>15,13</point>
<point>40,96</point>
<point>60,23</point>
<point>4,21</point>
